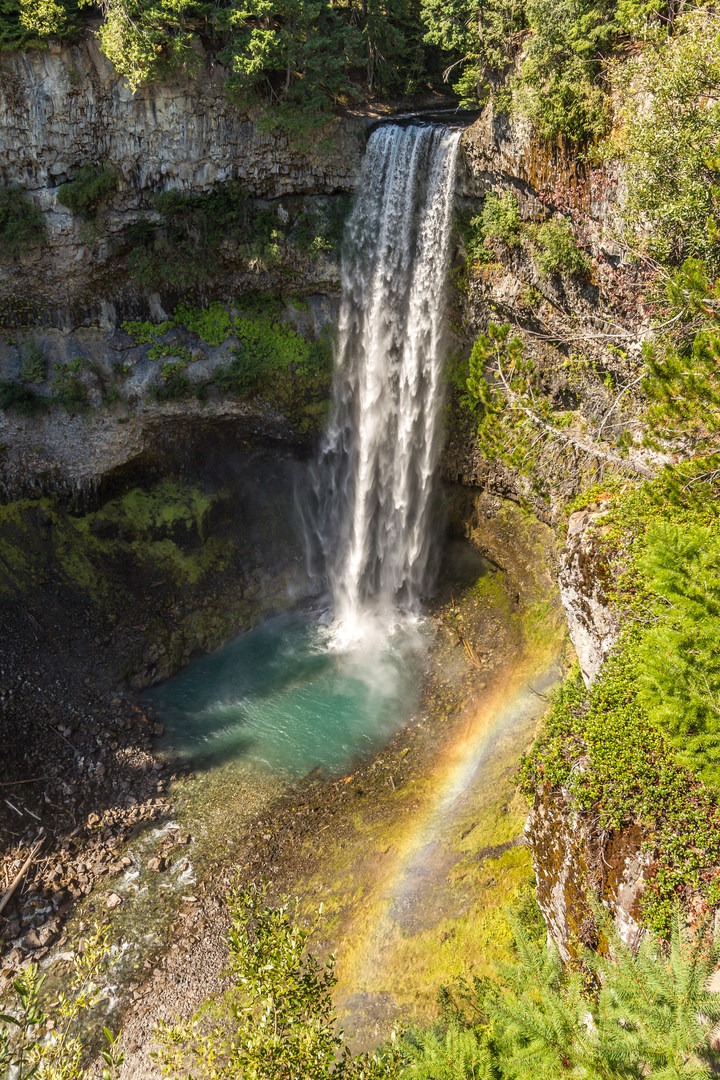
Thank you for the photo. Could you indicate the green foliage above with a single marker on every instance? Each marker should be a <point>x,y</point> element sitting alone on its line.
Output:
<point>92,185</point>
<point>44,18</point>
<point>644,1014</point>
<point>34,363</point>
<point>21,222</point>
<point>28,1050</point>
<point>679,654</point>
<point>558,88</point>
<point>501,219</point>
<point>146,40</point>
<point>491,371</point>
<point>481,35</point>
<point>500,395</point>
<point>450,1054</point>
<point>298,59</point>
<point>277,364</point>
<point>557,250</point>
<point>278,1019</point>
<point>196,232</point>
<point>272,361</point>
<point>651,1015</point>
<point>175,385</point>
<point>20,398</point>
<point>29,23</point>
<point>294,54</point>
<point>67,387</point>
<point>319,228</point>
<point>212,324</point>
<point>652,714</point>
<point>199,233</point>
<point>144,332</point>
<point>161,531</point>
<point>630,775</point>
<point>683,371</point>
<point>669,142</point>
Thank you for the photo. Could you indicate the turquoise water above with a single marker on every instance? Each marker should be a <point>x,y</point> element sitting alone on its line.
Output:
<point>280,696</point>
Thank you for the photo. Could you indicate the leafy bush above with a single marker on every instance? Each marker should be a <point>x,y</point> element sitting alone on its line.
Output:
<point>278,364</point>
<point>147,40</point>
<point>144,332</point>
<point>644,1014</point>
<point>649,726</point>
<point>630,774</point>
<point>67,387</point>
<point>175,383</point>
<point>46,18</point>
<point>481,58</point>
<point>187,247</point>
<point>212,324</point>
<point>26,1047</point>
<point>499,392</point>
<point>559,86</point>
<point>557,250</point>
<point>17,397</point>
<point>278,1020</point>
<point>679,653</point>
<point>297,59</point>
<point>501,219</point>
<point>93,184</point>
<point>21,222</point>
<point>683,370</point>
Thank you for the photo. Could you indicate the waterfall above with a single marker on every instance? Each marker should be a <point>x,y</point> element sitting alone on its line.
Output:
<point>376,475</point>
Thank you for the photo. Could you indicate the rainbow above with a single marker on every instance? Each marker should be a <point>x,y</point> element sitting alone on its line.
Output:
<point>506,713</point>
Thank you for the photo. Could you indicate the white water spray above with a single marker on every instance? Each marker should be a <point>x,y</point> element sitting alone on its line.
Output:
<point>375,481</point>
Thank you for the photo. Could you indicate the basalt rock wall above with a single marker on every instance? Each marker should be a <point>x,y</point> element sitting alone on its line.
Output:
<point>65,108</point>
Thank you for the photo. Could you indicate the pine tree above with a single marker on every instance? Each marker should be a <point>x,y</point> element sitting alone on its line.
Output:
<point>679,650</point>
<point>658,1004</point>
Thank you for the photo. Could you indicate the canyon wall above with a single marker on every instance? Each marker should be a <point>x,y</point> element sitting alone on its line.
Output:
<point>65,108</point>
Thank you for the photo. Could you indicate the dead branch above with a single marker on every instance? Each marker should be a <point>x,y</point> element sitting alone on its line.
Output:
<point>21,872</point>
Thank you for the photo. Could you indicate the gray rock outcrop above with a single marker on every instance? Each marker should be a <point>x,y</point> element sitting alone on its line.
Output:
<point>66,107</point>
<point>583,580</point>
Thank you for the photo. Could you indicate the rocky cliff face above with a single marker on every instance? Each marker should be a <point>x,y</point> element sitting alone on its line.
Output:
<point>584,579</point>
<point>573,861</point>
<point>65,108</point>
<point>582,332</point>
<point>582,335</point>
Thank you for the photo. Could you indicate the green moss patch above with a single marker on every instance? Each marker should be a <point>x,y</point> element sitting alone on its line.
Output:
<point>157,530</point>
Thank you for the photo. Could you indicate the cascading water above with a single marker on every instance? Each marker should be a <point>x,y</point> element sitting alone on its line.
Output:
<point>375,480</point>
<point>291,695</point>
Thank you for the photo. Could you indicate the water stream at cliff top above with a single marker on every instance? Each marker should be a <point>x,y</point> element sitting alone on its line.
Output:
<point>302,691</point>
